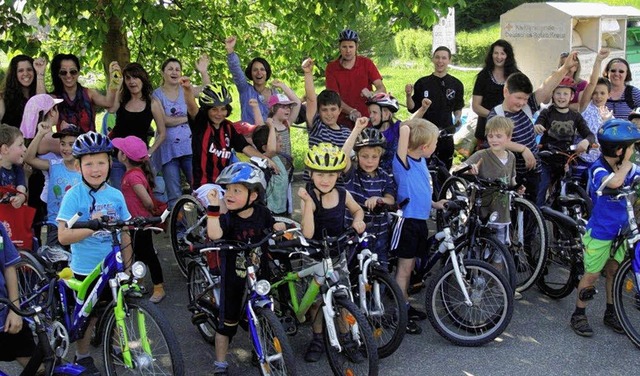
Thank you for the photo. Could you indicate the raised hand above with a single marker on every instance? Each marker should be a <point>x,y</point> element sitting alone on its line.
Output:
<point>230,43</point>
<point>202,64</point>
<point>307,65</point>
<point>361,123</point>
<point>278,84</point>
<point>426,102</point>
<point>408,89</point>
<point>44,127</point>
<point>40,65</point>
<point>214,197</point>
<point>185,82</point>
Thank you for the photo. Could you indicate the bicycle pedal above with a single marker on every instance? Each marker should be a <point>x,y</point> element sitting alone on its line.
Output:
<point>198,318</point>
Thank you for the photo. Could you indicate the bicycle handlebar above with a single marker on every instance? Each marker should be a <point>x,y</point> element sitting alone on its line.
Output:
<point>234,245</point>
<point>105,223</point>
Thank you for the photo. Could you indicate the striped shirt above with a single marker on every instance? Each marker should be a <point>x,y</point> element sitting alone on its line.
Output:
<point>320,132</point>
<point>363,186</point>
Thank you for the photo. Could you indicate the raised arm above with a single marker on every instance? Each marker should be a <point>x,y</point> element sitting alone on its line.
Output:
<point>214,231</point>
<point>408,91</point>
<point>272,140</point>
<point>233,61</point>
<point>192,107</point>
<point>361,123</point>
<point>40,66</point>
<point>426,102</point>
<point>593,79</point>
<point>30,157</point>
<point>310,92</point>
<point>202,66</point>
<point>543,93</point>
<point>403,144</point>
<point>293,115</point>
<point>115,81</point>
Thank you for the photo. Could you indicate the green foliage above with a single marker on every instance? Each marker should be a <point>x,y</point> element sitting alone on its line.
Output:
<point>478,13</point>
<point>472,47</point>
<point>413,44</point>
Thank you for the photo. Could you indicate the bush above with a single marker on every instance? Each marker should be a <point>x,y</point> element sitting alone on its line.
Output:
<point>413,44</point>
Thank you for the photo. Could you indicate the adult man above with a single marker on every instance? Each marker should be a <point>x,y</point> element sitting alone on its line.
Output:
<point>349,75</point>
<point>447,96</point>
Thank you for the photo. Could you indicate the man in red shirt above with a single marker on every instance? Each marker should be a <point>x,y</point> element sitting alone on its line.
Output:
<point>349,75</point>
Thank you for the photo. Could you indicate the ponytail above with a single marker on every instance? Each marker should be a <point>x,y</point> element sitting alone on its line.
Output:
<point>145,166</point>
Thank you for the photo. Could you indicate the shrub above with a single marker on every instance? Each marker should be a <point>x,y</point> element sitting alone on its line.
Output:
<point>472,47</point>
<point>413,44</point>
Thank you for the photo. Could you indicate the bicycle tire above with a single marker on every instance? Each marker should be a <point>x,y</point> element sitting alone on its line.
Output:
<point>166,357</point>
<point>389,326</point>
<point>29,272</point>
<point>187,213</point>
<point>199,280</point>
<point>626,301</point>
<point>485,249</point>
<point>463,325</point>
<point>530,252</point>
<point>560,274</point>
<point>274,343</point>
<point>347,313</point>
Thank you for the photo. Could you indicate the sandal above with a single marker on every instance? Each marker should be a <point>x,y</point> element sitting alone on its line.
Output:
<point>580,325</point>
<point>315,350</point>
<point>413,327</point>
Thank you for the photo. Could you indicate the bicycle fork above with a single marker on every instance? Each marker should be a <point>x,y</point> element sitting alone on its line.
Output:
<point>365,258</point>
<point>120,313</point>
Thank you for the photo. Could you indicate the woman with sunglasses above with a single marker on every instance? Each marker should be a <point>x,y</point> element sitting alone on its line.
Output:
<point>24,79</point>
<point>79,103</point>
<point>623,97</point>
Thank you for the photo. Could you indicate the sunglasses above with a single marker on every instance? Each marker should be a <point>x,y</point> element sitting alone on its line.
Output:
<point>63,73</point>
<point>617,71</point>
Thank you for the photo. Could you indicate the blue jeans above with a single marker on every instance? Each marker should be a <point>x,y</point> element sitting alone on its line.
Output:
<point>548,174</point>
<point>171,173</point>
<point>116,174</point>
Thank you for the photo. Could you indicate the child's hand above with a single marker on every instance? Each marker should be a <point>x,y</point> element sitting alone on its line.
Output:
<point>582,146</point>
<point>304,195</point>
<point>426,102</point>
<point>214,197</point>
<point>475,168</point>
<point>230,44</point>
<point>529,159</point>
<point>13,324</point>
<point>44,127</point>
<point>408,89</point>
<point>185,82</point>
<point>253,102</point>
<point>202,64</point>
<point>605,113</point>
<point>274,167</point>
<point>279,226</point>
<point>439,204</point>
<point>539,129</point>
<point>307,65</point>
<point>40,65</point>
<point>366,93</point>
<point>372,202</point>
<point>359,226</point>
<point>361,123</point>
<point>602,54</point>
<point>521,189</point>
<point>18,200</point>
<point>278,84</point>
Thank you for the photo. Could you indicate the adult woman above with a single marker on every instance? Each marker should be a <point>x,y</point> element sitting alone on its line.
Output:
<point>78,106</point>
<point>24,79</point>
<point>258,71</point>
<point>580,84</point>
<point>175,154</point>
<point>134,112</point>
<point>623,97</point>
<point>488,89</point>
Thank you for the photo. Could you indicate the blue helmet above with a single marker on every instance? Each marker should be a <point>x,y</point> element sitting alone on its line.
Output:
<point>91,143</point>
<point>619,131</point>
<point>243,173</point>
<point>349,35</point>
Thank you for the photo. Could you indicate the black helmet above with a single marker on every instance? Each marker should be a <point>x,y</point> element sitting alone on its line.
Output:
<point>349,35</point>
<point>370,137</point>
<point>214,95</point>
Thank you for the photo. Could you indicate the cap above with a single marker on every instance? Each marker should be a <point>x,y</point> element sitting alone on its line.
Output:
<point>70,130</point>
<point>244,128</point>
<point>279,99</point>
<point>37,103</point>
<point>133,147</point>
<point>635,114</point>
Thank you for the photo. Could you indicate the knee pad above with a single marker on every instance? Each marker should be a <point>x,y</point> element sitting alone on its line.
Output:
<point>587,293</point>
<point>228,329</point>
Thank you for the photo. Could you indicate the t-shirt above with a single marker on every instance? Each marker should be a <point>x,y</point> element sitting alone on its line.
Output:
<point>492,94</point>
<point>212,147</point>
<point>350,82</point>
<point>8,256</point>
<point>278,188</point>
<point>523,133</point>
<point>89,252</point>
<point>609,216</point>
<point>323,133</point>
<point>446,94</point>
<point>620,107</point>
<point>562,128</point>
<point>133,123</point>
<point>414,183</point>
<point>134,203</point>
<point>492,168</point>
<point>248,230</point>
<point>12,177</point>
<point>391,136</point>
<point>61,179</point>
<point>178,138</point>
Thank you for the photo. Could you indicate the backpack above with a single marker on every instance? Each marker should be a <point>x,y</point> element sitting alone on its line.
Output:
<point>527,110</point>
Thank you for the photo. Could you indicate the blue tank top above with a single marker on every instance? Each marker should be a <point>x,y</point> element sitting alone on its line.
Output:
<point>332,219</point>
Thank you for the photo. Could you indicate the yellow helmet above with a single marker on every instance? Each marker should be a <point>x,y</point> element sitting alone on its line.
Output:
<point>325,157</point>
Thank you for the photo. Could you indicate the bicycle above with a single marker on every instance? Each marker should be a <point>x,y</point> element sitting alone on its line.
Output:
<point>135,337</point>
<point>349,342</point>
<point>269,340</point>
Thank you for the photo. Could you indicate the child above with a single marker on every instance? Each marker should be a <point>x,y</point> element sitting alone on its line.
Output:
<point>214,137</point>
<point>609,217</point>
<point>558,125</point>
<point>368,182</point>
<point>93,198</point>
<point>16,340</point>
<point>245,221</point>
<point>62,171</point>
<point>381,109</point>
<point>417,141</point>
<point>11,157</point>
<point>284,109</point>
<point>137,189</point>
<point>323,214</point>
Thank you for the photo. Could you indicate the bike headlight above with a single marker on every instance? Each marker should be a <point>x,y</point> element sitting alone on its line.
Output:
<point>263,287</point>
<point>493,217</point>
<point>138,269</point>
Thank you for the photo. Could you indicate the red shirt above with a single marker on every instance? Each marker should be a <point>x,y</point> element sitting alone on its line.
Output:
<point>350,82</point>
<point>134,203</point>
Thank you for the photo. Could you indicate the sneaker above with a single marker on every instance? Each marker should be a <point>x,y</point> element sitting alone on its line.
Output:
<point>611,320</point>
<point>413,327</point>
<point>581,326</point>
<point>315,350</point>
<point>220,371</point>
<point>351,349</point>
<point>416,315</point>
<point>89,366</point>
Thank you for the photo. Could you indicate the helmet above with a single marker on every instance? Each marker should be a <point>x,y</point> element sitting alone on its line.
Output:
<point>91,143</point>
<point>348,34</point>
<point>384,101</point>
<point>370,137</point>
<point>325,157</point>
<point>214,95</point>
<point>567,82</point>
<point>618,131</point>
<point>243,173</point>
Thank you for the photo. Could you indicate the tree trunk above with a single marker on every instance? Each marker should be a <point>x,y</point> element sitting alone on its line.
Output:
<point>115,47</point>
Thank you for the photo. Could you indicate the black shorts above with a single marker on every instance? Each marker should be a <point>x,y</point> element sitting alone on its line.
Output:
<point>409,237</point>
<point>19,345</point>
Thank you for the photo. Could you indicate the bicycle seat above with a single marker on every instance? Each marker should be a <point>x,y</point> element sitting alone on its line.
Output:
<point>570,200</point>
<point>564,220</point>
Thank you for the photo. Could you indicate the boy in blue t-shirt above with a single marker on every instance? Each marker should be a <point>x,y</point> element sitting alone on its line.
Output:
<point>609,216</point>
<point>11,157</point>
<point>93,198</point>
<point>417,141</point>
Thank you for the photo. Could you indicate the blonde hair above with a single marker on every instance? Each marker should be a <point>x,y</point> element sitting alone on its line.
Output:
<point>499,123</point>
<point>423,132</point>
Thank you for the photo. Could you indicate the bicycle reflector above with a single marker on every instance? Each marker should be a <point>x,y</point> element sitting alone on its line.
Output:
<point>263,287</point>
<point>138,269</point>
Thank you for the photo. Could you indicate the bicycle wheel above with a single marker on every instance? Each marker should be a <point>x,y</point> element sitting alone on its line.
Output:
<point>487,317</point>
<point>200,289</point>
<point>187,225</point>
<point>357,354</point>
<point>490,250</point>
<point>30,273</point>
<point>626,301</point>
<point>275,348</point>
<point>528,242</point>
<point>150,338</point>
<point>388,320</point>
<point>561,270</point>
<point>454,188</point>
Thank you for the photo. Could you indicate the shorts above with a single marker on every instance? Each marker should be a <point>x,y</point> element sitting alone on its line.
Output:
<point>19,345</point>
<point>597,252</point>
<point>409,237</point>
